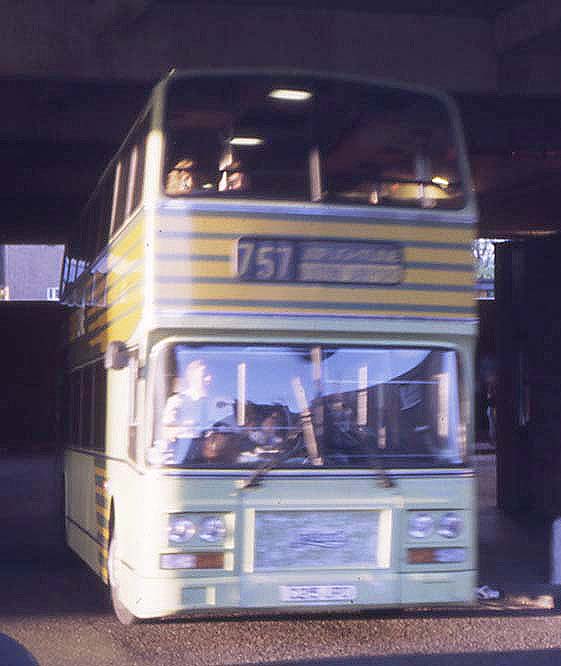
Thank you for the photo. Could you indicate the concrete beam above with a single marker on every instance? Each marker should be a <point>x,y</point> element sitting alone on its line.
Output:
<point>141,40</point>
<point>117,17</point>
<point>525,23</point>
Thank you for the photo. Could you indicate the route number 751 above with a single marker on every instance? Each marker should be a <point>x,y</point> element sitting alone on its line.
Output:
<point>266,260</point>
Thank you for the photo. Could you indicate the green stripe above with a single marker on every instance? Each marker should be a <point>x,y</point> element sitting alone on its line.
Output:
<point>102,521</point>
<point>432,266</point>
<point>100,501</point>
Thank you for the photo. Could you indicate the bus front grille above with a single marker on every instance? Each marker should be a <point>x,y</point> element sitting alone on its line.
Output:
<point>309,539</point>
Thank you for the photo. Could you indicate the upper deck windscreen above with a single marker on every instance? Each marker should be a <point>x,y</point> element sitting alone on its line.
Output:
<point>313,140</point>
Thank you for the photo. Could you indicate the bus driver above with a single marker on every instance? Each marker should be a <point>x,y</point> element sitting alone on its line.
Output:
<point>188,414</point>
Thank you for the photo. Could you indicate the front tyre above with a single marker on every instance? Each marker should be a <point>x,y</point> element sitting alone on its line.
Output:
<point>114,567</point>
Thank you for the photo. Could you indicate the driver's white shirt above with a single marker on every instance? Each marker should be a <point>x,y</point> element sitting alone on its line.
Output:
<point>187,418</point>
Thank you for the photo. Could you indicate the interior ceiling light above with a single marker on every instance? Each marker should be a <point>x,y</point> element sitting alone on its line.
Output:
<point>246,141</point>
<point>439,180</point>
<point>290,94</point>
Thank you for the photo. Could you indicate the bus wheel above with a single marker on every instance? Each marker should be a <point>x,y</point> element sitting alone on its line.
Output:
<point>113,569</point>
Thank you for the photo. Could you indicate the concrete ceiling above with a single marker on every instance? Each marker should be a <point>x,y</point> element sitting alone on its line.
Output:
<point>82,75</point>
<point>486,9</point>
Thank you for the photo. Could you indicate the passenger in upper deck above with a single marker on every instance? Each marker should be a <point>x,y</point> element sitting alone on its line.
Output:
<point>232,176</point>
<point>181,179</point>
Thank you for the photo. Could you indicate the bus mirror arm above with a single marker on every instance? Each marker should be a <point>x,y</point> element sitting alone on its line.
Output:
<point>116,355</point>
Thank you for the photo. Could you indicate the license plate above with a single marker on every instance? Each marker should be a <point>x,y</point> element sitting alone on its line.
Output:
<point>313,593</point>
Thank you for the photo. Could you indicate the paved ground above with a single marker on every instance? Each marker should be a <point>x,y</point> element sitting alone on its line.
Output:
<point>62,618</point>
<point>58,610</point>
<point>31,507</point>
<point>514,553</point>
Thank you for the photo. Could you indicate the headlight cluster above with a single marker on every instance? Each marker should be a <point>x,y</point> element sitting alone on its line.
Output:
<point>422,525</point>
<point>183,527</point>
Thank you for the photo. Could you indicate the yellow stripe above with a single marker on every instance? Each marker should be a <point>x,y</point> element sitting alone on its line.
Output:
<point>219,246</point>
<point>126,243</point>
<point>116,265</point>
<point>100,471</point>
<point>449,278</point>
<point>121,330</point>
<point>133,295</point>
<point>105,282</point>
<point>103,511</point>
<point>348,229</point>
<point>124,328</point>
<point>104,532</point>
<point>119,284</point>
<point>125,301</point>
<point>304,294</point>
<point>438,256</point>
<point>133,300</point>
<point>124,267</point>
<point>187,268</point>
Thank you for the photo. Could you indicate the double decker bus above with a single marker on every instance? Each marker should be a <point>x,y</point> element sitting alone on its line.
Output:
<point>270,351</point>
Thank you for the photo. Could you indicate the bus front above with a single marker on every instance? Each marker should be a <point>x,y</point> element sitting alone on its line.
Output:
<point>289,475</point>
<point>309,366</point>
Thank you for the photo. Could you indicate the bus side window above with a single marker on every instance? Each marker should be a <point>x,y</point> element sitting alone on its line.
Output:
<point>87,398</point>
<point>120,188</point>
<point>140,145</point>
<point>134,388</point>
<point>100,404</point>
<point>75,403</point>
<point>103,212</point>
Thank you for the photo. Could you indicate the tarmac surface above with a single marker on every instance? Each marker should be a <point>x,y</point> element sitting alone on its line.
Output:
<point>54,608</point>
<point>514,552</point>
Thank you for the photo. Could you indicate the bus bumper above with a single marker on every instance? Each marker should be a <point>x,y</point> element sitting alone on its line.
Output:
<point>180,595</point>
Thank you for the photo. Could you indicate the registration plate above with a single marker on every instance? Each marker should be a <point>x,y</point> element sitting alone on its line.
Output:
<point>313,593</point>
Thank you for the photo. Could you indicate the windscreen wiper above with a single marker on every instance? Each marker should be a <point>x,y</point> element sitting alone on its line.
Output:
<point>254,480</point>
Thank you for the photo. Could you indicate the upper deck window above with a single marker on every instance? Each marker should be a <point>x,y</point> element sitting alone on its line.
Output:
<point>315,140</point>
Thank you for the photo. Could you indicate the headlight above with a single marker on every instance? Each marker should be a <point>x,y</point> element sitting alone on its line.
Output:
<point>420,525</point>
<point>450,525</point>
<point>180,530</point>
<point>212,529</point>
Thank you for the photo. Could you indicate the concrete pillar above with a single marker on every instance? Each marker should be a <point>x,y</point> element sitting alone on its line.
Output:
<point>555,553</point>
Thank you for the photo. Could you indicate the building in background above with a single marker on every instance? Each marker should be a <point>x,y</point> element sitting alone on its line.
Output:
<point>30,272</point>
